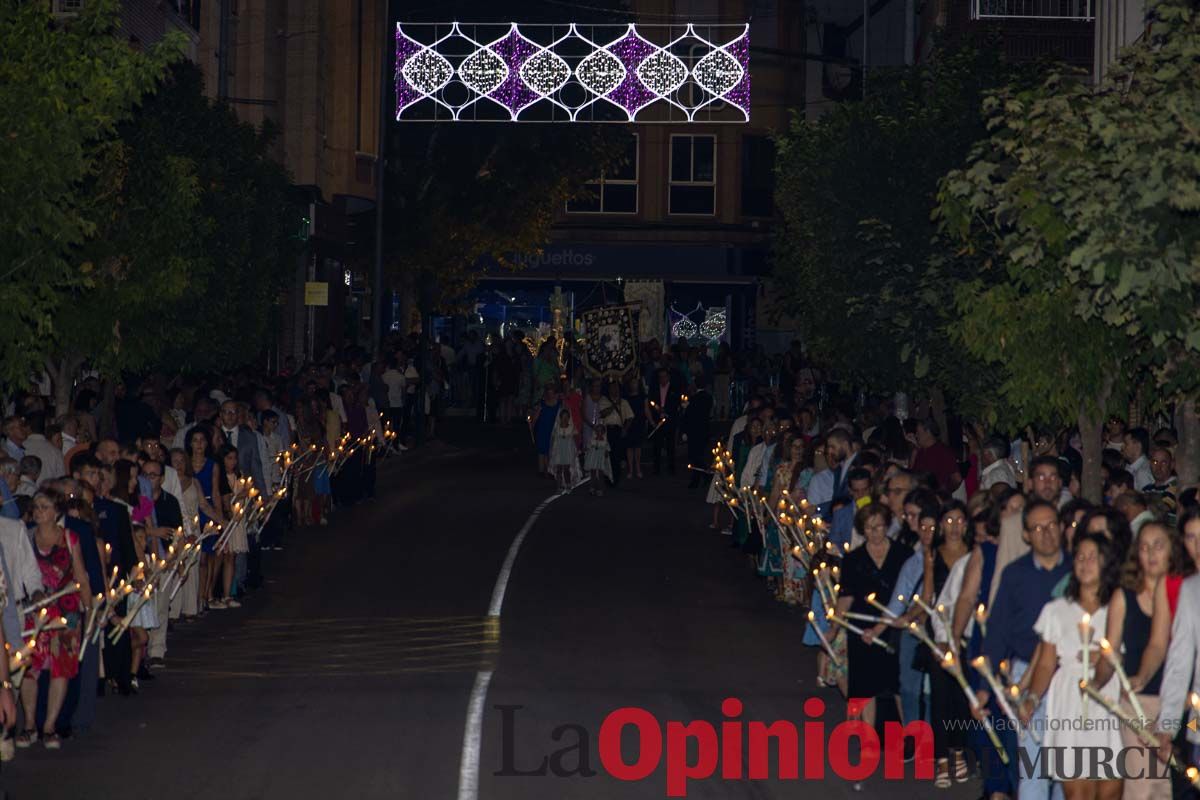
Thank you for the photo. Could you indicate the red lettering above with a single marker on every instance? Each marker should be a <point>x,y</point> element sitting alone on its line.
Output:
<point>678,768</point>
<point>649,744</point>
<point>839,750</point>
<point>814,740</point>
<point>731,740</point>
<point>785,734</point>
<point>893,750</point>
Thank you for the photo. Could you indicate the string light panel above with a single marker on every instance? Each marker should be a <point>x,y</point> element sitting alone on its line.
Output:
<point>572,72</point>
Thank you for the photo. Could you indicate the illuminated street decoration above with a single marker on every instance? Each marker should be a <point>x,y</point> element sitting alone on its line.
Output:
<point>572,73</point>
<point>714,325</point>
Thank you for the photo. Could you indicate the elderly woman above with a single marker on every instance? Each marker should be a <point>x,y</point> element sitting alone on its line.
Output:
<point>57,651</point>
<point>871,568</point>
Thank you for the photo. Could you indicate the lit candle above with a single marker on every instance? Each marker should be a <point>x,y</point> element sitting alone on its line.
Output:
<point>871,599</point>
<point>1147,738</point>
<point>832,617</point>
<point>812,620</point>
<point>951,666</point>
<point>981,619</point>
<point>1085,655</point>
<point>1110,655</point>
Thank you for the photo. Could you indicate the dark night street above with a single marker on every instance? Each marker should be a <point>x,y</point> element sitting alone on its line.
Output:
<point>352,676</point>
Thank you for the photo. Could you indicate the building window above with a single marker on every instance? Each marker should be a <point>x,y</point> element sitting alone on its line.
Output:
<point>67,7</point>
<point>758,176</point>
<point>693,175</point>
<point>615,191</point>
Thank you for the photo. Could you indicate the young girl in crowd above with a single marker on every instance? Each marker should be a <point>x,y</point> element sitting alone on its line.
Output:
<point>564,457</point>
<point>1068,638</point>
<point>598,462</point>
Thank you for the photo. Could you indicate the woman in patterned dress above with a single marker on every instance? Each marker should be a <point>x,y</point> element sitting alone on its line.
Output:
<point>61,564</point>
<point>791,477</point>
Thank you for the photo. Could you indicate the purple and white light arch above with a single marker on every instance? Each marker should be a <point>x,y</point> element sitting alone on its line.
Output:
<point>626,71</point>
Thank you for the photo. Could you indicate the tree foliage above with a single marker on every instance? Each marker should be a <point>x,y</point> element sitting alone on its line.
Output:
<point>63,91</point>
<point>856,189</point>
<point>465,195</point>
<point>1082,206</point>
<point>192,216</point>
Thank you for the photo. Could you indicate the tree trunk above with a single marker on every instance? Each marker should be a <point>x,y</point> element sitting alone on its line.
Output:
<point>1091,433</point>
<point>62,373</point>
<point>107,427</point>
<point>1187,455</point>
<point>937,408</point>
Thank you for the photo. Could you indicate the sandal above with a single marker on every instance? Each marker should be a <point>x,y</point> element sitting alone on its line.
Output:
<point>962,770</point>
<point>26,738</point>
<point>942,781</point>
<point>51,741</point>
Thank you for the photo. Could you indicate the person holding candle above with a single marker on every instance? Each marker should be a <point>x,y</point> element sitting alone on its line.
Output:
<point>635,432</point>
<point>598,461</point>
<point>204,468</point>
<point>947,557</point>
<point>1068,629</point>
<point>872,568</point>
<point>921,515</point>
<point>1181,673</point>
<point>1139,618</point>
<point>57,651</point>
<point>743,444</point>
<point>1024,588</point>
<point>564,458</point>
<point>541,422</point>
<point>141,510</point>
<point>236,542</point>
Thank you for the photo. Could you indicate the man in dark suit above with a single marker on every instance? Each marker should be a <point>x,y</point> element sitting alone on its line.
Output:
<point>696,419</point>
<point>245,440</point>
<point>663,399</point>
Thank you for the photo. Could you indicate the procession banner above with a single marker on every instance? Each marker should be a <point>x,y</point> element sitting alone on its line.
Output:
<point>611,343</point>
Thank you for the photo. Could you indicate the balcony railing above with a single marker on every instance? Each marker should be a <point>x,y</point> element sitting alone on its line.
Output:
<point>1081,10</point>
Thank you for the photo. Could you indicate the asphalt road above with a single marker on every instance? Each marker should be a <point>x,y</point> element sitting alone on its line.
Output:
<point>352,673</point>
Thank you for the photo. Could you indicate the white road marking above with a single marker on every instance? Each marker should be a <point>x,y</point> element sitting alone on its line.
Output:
<point>468,769</point>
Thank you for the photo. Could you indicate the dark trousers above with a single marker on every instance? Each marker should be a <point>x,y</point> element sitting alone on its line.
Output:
<point>79,707</point>
<point>949,712</point>
<point>664,442</point>
<point>254,574</point>
<point>699,456</point>
<point>118,658</point>
<point>616,447</point>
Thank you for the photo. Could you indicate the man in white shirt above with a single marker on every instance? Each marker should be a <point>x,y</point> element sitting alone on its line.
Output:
<point>1134,451</point>
<point>996,468</point>
<point>14,437</point>
<point>830,483</point>
<point>1181,672</point>
<point>22,563</point>
<point>36,444</point>
<point>758,462</point>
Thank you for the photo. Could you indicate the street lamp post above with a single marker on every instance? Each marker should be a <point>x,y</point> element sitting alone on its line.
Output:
<point>379,293</point>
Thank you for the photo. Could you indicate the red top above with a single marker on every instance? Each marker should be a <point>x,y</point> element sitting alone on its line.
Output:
<point>1173,584</point>
<point>938,460</point>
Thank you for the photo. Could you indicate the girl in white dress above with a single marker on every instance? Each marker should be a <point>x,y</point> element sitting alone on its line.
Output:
<point>598,462</point>
<point>1074,727</point>
<point>564,457</point>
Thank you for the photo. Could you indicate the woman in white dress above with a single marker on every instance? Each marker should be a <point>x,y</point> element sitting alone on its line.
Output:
<point>187,598</point>
<point>1075,728</point>
<point>564,457</point>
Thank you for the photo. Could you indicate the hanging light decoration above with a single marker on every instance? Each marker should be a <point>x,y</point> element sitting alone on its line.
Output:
<point>517,71</point>
<point>714,325</point>
<point>482,71</point>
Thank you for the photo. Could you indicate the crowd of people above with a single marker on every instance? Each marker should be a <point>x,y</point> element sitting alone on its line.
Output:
<point>983,556</point>
<point>99,502</point>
